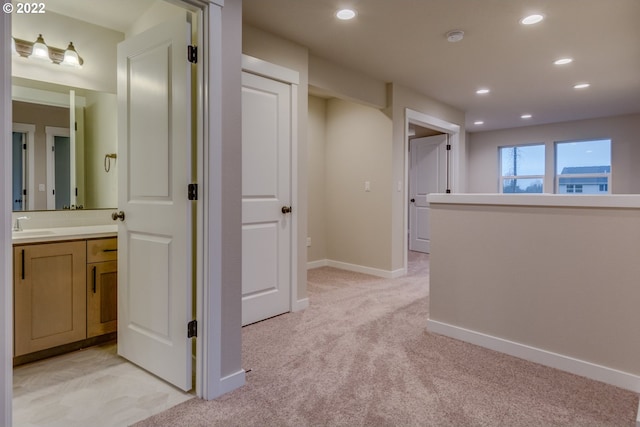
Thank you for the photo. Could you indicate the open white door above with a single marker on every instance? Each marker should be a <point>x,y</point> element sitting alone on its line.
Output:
<point>155,234</point>
<point>427,174</point>
<point>266,198</point>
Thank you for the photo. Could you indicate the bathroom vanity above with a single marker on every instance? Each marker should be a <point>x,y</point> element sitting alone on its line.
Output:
<point>65,290</point>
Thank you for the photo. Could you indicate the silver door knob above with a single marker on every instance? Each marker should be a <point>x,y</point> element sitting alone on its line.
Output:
<point>286,209</point>
<point>117,215</point>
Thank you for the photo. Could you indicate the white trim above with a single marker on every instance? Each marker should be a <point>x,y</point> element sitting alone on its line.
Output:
<point>30,131</point>
<point>269,70</point>
<point>386,274</point>
<point>628,201</point>
<point>455,183</point>
<point>293,296</point>
<point>6,268</point>
<point>299,305</point>
<point>559,361</point>
<point>317,264</point>
<point>232,382</point>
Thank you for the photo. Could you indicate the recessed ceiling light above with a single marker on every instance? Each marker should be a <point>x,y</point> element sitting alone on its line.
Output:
<point>531,19</point>
<point>581,86</point>
<point>478,122</point>
<point>526,116</point>
<point>345,14</point>
<point>563,61</point>
<point>482,91</point>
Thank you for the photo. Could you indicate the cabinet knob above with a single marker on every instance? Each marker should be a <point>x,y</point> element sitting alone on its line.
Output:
<point>117,215</point>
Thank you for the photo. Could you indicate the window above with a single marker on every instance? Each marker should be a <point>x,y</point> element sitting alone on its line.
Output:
<point>583,167</point>
<point>521,169</point>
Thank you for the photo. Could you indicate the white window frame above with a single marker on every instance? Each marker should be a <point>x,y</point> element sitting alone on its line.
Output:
<point>502,178</point>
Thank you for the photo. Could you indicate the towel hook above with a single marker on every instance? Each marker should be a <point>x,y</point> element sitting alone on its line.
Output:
<point>107,161</point>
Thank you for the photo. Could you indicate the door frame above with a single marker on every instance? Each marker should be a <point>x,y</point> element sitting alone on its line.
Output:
<point>413,117</point>
<point>291,77</point>
<point>30,131</point>
<point>218,279</point>
<point>50,134</point>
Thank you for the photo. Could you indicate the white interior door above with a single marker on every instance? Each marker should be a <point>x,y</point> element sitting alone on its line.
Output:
<point>427,174</point>
<point>266,195</point>
<point>155,238</point>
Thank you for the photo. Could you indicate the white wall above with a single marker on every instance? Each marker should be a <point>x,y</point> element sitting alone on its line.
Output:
<point>96,45</point>
<point>100,138</point>
<point>316,170</point>
<point>358,150</point>
<point>562,280</point>
<point>625,150</point>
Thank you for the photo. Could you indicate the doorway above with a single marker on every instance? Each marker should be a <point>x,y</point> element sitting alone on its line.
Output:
<point>428,169</point>
<point>62,143</point>
<point>448,179</point>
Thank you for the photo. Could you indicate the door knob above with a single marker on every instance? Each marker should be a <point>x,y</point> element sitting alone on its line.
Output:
<point>413,200</point>
<point>117,215</point>
<point>286,209</point>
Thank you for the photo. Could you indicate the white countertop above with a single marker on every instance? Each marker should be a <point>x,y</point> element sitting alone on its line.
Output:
<point>64,233</point>
<point>628,201</point>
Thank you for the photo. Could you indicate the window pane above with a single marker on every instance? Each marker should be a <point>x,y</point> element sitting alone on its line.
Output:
<point>583,166</point>
<point>522,186</point>
<point>522,160</point>
<point>583,157</point>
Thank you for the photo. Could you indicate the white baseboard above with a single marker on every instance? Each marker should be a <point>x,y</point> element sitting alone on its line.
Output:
<point>387,274</point>
<point>317,264</point>
<point>232,382</point>
<point>565,363</point>
<point>300,304</point>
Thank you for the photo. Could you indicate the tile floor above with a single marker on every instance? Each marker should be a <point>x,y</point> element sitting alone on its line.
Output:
<point>93,387</point>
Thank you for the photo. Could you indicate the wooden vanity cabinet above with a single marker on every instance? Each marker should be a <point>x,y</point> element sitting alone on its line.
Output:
<point>49,295</point>
<point>102,286</point>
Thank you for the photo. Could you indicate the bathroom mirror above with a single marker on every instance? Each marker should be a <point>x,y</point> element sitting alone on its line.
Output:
<point>64,147</point>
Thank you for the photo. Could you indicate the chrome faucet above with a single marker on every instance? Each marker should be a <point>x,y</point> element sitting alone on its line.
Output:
<point>18,226</point>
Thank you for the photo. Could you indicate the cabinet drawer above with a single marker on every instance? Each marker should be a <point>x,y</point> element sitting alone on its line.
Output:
<point>99,250</point>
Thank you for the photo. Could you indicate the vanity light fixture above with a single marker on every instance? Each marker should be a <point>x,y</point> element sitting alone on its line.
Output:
<point>526,116</point>
<point>581,86</point>
<point>482,91</point>
<point>346,14</point>
<point>39,49</point>
<point>478,122</point>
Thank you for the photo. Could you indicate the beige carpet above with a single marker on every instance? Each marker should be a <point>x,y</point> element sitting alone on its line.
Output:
<point>360,355</point>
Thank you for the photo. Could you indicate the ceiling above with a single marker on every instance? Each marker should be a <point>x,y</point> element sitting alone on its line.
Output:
<point>403,41</point>
<point>114,14</point>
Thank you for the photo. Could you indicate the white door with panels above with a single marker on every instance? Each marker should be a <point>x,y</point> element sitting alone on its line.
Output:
<point>427,174</point>
<point>266,198</point>
<point>155,229</point>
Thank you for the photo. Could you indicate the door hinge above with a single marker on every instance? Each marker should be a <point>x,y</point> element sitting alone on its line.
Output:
<point>192,192</point>
<point>192,329</point>
<point>192,54</point>
<point>448,147</point>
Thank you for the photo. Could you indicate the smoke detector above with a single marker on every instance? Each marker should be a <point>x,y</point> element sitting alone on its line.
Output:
<point>455,36</point>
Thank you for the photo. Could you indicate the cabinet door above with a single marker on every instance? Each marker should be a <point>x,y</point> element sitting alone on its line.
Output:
<point>49,295</point>
<point>102,298</point>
